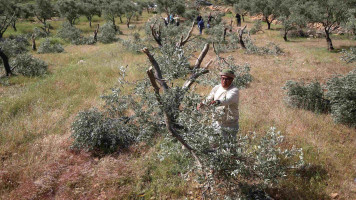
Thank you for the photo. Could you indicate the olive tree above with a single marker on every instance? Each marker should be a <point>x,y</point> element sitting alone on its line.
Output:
<point>111,10</point>
<point>69,9</point>
<point>146,4</point>
<point>270,9</point>
<point>8,15</point>
<point>130,9</point>
<point>350,24</point>
<point>171,7</point>
<point>329,13</point>
<point>242,7</point>
<point>165,104</point>
<point>89,8</point>
<point>43,10</point>
<point>292,15</point>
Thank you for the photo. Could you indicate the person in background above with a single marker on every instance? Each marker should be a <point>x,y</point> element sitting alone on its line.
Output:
<point>165,21</point>
<point>199,18</point>
<point>238,19</point>
<point>210,17</point>
<point>176,19</point>
<point>201,26</point>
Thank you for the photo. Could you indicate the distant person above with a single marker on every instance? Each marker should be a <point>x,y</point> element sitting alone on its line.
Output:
<point>165,21</point>
<point>225,97</point>
<point>201,26</point>
<point>238,19</point>
<point>210,18</point>
<point>171,20</point>
<point>208,25</point>
<point>199,18</point>
<point>177,20</point>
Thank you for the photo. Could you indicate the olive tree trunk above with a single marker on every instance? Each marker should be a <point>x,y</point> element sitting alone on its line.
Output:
<point>5,60</point>
<point>328,39</point>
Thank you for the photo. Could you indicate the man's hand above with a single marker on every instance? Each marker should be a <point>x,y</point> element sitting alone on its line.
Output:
<point>214,103</point>
<point>200,105</point>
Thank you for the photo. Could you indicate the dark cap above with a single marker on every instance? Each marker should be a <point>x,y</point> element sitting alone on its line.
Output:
<point>228,73</point>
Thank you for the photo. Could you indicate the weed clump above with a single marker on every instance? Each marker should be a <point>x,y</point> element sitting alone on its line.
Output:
<point>257,26</point>
<point>270,49</point>
<point>92,130</point>
<point>50,46</point>
<point>134,45</point>
<point>349,56</point>
<point>68,32</point>
<point>73,34</point>
<point>341,90</point>
<point>27,65</point>
<point>309,97</point>
<point>339,97</point>
<point>84,40</point>
<point>38,33</point>
<point>107,34</point>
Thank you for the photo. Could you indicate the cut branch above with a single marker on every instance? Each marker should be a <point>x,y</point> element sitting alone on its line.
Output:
<point>158,73</point>
<point>182,42</point>
<point>153,82</point>
<point>218,56</point>
<point>193,78</point>
<point>201,56</point>
<point>197,73</point>
<point>156,33</point>
<point>241,32</point>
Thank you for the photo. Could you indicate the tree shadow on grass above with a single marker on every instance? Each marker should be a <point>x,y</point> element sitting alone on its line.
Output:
<point>308,182</point>
<point>339,50</point>
<point>293,41</point>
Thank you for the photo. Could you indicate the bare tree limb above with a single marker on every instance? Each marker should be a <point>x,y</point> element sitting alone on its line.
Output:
<point>201,56</point>
<point>218,56</point>
<point>241,32</point>
<point>225,29</point>
<point>153,81</point>
<point>182,42</point>
<point>197,73</point>
<point>158,73</point>
<point>156,33</point>
<point>192,79</point>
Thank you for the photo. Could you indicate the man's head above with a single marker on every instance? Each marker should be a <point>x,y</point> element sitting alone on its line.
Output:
<point>227,76</point>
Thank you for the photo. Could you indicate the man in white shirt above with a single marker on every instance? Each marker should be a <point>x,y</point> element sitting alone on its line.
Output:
<point>225,97</point>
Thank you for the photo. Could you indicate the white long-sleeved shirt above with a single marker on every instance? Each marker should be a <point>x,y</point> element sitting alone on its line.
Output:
<point>228,109</point>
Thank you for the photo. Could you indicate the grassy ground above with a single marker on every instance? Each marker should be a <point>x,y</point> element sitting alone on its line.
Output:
<point>36,114</point>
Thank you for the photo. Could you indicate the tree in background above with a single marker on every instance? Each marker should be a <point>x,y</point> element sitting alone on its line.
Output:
<point>89,8</point>
<point>130,10</point>
<point>171,7</point>
<point>230,2</point>
<point>111,10</point>
<point>242,7</point>
<point>329,13</point>
<point>69,9</point>
<point>43,10</point>
<point>8,15</point>
<point>350,24</point>
<point>146,4</point>
<point>270,9</point>
<point>292,15</point>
